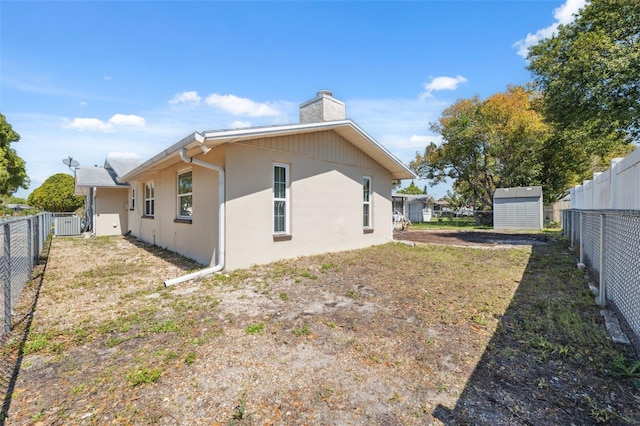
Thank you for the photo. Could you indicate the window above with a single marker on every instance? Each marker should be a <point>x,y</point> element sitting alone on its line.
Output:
<point>132,205</point>
<point>280,198</point>
<point>185,196</point>
<point>366,202</point>
<point>149,200</point>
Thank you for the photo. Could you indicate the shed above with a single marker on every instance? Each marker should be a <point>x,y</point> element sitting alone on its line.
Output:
<point>518,208</point>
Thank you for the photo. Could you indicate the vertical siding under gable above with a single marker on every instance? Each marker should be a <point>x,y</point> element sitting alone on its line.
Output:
<point>325,146</point>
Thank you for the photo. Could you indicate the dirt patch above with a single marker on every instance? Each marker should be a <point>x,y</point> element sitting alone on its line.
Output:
<point>387,335</point>
<point>473,238</point>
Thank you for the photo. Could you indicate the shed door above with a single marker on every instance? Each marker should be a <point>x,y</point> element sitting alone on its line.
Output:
<point>517,213</point>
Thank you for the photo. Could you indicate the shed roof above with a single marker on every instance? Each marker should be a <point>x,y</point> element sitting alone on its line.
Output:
<point>518,192</point>
<point>210,139</point>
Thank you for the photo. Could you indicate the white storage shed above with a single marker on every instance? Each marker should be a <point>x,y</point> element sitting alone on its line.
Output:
<point>518,208</point>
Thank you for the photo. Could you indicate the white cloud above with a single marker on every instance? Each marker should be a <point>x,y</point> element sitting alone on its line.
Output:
<point>241,106</point>
<point>441,83</point>
<point>189,98</point>
<point>83,104</point>
<point>563,15</point>
<point>424,140</point>
<point>117,121</point>
<point>126,120</point>
<point>240,124</point>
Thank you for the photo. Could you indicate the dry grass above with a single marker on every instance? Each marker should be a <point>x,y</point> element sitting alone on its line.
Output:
<point>386,335</point>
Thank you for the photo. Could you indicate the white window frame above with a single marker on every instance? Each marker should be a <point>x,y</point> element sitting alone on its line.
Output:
<point>179,196</point>
<point>149,201</point>
<point>286,199</point>
<point>367,203</point>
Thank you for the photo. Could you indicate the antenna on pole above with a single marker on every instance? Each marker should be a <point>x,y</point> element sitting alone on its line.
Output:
<point>71,163</point>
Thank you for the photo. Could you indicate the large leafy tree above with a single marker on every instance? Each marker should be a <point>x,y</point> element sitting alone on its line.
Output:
<point>589,74</point>
<point>497,142</point>
<point>56,194</point>
<point>412,189</point>
<point>13,174</point>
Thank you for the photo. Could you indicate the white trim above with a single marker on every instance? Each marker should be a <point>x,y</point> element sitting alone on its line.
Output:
<point>151,185</point>
<point>179,196</point>
<point>368,202</point>
<point>286,199</point>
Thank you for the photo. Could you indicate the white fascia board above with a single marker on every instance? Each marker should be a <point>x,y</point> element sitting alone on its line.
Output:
<point>172,150</point>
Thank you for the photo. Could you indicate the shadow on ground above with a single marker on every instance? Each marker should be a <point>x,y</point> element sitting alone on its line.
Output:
<point>547,363</point>
<point>22,327</point>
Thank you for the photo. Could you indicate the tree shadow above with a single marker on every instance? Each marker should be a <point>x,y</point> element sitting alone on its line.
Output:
<point>21,329</point>
<point>547,361</point>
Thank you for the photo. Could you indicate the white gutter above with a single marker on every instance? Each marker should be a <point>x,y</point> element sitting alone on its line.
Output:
<point>221,209</point>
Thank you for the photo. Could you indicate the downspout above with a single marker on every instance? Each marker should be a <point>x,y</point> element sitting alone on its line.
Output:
<point>221,208</point>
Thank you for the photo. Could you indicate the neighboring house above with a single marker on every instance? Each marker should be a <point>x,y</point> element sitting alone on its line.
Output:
<point>106,199</point>
<point>415,207</point>
<point>17,208</point>
<point>235,198</point>
<point>442,208</point>
<point>518,208</point>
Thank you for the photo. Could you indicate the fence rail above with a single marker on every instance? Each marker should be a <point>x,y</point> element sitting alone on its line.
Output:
<point>608,242</point>
<point>23,242</point>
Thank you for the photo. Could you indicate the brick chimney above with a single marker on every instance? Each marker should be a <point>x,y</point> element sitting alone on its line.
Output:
<point>323,107</point>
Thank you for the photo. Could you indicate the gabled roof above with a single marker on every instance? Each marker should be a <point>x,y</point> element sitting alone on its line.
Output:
<point>104,177</point>
<point>210,139</point>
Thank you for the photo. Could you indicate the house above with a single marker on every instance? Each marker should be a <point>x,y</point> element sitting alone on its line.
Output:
<point>518,208</point>
<point>106,199</point>
<point>415,207</point>
<point>235,198</point>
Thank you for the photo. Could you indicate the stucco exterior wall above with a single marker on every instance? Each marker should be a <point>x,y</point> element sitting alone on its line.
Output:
<point>326,194</point>
<point>325,198</point>
<point>110,211</point>
<point>196,240</point>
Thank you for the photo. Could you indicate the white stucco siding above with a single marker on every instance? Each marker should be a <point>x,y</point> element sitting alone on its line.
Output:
<point>325,198</point>
<point>196,240</point>
<point>111,211</point>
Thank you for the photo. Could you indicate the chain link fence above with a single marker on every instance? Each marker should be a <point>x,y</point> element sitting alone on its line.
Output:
<point>609,244</point>
<point>23,242</point>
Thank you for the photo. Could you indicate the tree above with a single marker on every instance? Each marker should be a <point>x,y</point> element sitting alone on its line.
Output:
<point>411,189</point>
<point>56,194</point>
<point>13,174</point>
<point>487,144</point>
<point>589,75</point>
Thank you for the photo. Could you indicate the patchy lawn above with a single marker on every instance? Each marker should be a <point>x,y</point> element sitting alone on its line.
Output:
<point>387,335</point>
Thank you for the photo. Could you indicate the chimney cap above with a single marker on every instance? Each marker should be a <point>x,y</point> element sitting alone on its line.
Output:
<point>324,92</point>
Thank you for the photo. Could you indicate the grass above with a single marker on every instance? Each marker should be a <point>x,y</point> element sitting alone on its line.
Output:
<point>525,309</point>
<point>255,329</point>
<point>143,375</point>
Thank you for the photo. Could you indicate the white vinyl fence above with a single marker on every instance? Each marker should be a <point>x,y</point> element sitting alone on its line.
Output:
<point>604,220</point>
<point>23,242</point>
<point>617,188</point>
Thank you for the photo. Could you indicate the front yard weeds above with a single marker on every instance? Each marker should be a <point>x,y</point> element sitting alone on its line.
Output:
<point>431,333</point>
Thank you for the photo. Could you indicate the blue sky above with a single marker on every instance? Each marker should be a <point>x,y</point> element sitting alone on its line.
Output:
<point>92,79</point>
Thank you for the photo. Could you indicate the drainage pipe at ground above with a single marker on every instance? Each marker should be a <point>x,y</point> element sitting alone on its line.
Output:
<point>221,209</point>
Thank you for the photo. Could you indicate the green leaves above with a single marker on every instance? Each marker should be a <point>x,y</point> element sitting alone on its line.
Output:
<point>589,73</point>
<point>56,194</point>
<point>13,174</point>
<point>487,144</point>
